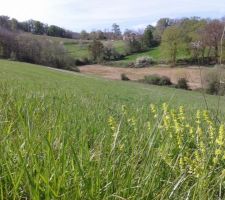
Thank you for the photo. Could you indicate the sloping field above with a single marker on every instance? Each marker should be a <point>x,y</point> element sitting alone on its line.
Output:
<point>65,135</point>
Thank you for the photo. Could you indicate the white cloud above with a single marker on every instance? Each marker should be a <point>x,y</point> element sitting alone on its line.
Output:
<point>90,14</point>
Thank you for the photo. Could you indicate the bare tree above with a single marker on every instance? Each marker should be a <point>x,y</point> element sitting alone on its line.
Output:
<point>212,36</point>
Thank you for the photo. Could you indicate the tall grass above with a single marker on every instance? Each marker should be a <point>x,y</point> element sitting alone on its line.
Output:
<point>103,140</point>
<point>50,149</point>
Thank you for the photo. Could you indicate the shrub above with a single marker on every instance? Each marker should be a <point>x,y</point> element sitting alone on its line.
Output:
<point>214,81</point>
<point>143,61</point>
<point>110,53</point>
<point>164,80</point>
<point>124,77</point>
<point>157,80</point>
<point>133,45</point>
<point>81,62</point>
<point>96,49</point>
<point>74,69</point>
<point>182,84</point>
<point>152,79</point>
<point>213,87</point>
<point>216,88</point>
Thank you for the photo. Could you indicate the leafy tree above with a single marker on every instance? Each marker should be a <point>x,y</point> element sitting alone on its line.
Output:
<point>161,26</point>
<point>84,35</point>
<point>5,22</point>
<point>171,42</point>
<point>116,30</point>
<point>56,31</point>
<point>96,50</point>
<point>14,25</point>
<point>133,45</point>
<point>213,34</point>
<point>97,35</point>
<point>39,28</point>
<point>110,53</point>
<point>148,36</point>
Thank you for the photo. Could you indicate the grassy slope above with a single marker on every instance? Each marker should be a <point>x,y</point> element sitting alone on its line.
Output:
<point>155,53</point>
<point>79,49</point>
<point>35,77</point>
<point>56,140</point>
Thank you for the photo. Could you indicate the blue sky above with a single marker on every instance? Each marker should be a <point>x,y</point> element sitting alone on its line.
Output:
<point>77,15</point>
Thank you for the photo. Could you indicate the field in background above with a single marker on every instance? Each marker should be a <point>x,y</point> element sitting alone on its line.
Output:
<point>192,74</point>
<point>79,50</point>
<point>72,136</point>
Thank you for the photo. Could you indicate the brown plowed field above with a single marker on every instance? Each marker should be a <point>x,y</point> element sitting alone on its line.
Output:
<point>192,74</point>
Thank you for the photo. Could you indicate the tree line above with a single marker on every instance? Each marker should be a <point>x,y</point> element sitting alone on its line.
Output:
<point>26,48</point>
<point>40,28</point>
<point>198,39</point>
<point>36,27</point>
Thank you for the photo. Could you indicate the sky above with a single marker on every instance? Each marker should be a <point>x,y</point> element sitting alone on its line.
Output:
<point>77,15</point>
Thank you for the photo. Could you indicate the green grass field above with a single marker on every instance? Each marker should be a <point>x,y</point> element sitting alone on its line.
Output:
<point>71,136</point>
<point>155,53</point>
<point>79,49</point>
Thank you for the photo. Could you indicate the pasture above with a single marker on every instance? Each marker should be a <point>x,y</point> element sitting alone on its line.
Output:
<point>67,135</point>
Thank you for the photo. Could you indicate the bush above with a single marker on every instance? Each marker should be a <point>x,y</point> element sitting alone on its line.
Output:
<point>133,45</point>
<point>214,81</point>
<point>110,53</point>
<point>143,61</point>
<point>216,88</point>
<point>124,77</point>
<point>81,62</point>
<point>213,87</point>
<point>164,80</point>
<point>182,84</point>
<point>152,79</point>
<point>75,69</point>
<point>96,49</point>
<point>157,80</point>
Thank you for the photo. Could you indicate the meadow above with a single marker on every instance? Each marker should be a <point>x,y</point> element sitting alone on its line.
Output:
<point>78,49</point>
<point>68,135</point>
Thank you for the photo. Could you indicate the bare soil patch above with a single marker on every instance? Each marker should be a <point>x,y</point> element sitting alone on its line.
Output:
<point>192,73</point>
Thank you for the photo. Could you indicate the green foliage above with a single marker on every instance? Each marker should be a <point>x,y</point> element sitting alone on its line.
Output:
<point>110,53</point>
<point>133,45</point>
<point>96,50</point>
<point>171,42</point>
<point>148,36</point>
<point>215,81</point>
<point>213,87</point>
<point>164,80</point>
<point>56,31</point>
<point>157,80</point>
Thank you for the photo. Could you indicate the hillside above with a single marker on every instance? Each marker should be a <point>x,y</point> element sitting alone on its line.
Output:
<point>66,135</point>
<point>37,78</point>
